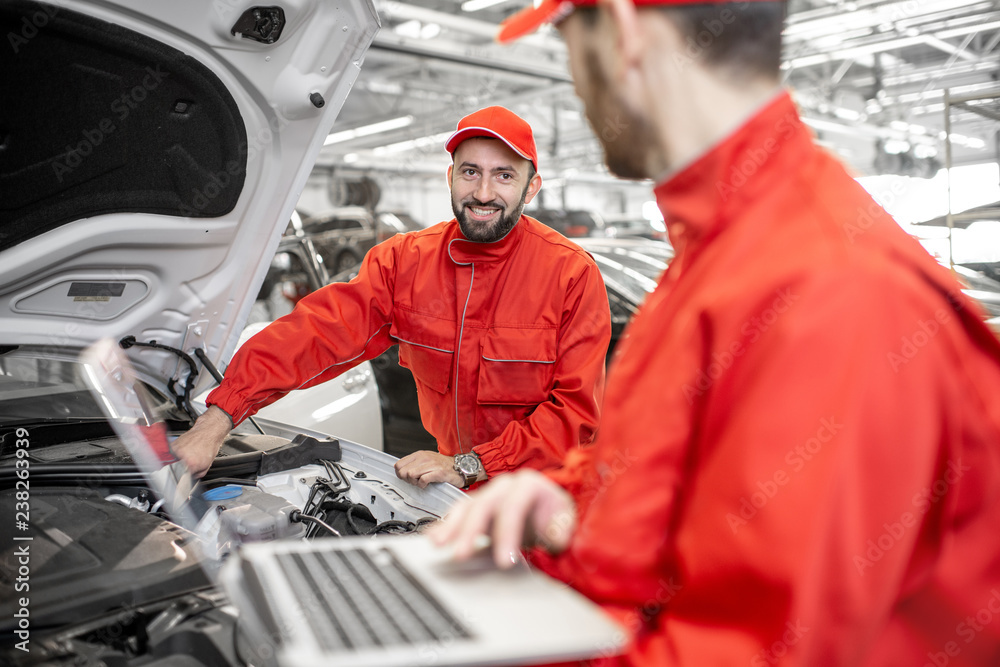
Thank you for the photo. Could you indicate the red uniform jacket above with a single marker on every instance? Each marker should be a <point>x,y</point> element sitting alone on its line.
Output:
<point>506,340</point>
<point>799,461</point>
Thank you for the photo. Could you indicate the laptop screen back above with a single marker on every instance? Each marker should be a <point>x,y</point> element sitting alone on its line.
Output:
<point>127,405</point>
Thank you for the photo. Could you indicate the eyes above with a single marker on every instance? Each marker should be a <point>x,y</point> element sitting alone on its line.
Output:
<point>502,176</point>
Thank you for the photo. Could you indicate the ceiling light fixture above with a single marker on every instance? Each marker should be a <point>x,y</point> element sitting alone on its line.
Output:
<point>366,130</point>
<point>476,5</point>
<point>420,142</point>
<point>417,30</point>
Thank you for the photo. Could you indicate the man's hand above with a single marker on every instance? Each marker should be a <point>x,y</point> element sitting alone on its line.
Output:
<point>197,448</point>
<point>521,509</point>
<point>423,467</point>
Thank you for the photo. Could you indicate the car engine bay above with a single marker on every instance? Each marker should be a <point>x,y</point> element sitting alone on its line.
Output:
<point>103,549</point>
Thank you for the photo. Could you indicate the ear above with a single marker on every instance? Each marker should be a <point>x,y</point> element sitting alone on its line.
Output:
<point>534,185</point>
<point>629,37</point>
<point>450,167</point>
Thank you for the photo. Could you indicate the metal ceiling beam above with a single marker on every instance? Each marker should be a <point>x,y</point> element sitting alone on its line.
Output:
<point>951,49</point>
<point>880,46</point>
<point>466,56</point>
<point>833,20</point>
<point>442,121</point>
<point>398,11</point>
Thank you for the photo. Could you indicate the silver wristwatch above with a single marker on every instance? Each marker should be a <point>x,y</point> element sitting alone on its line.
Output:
<point>469,467</point>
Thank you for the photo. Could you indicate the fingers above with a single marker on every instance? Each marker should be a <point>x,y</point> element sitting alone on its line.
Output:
<point>475,518</point>
<point>198,447</point>
<point>509,509</point>
<point>438,475</point>
<point>424,467</point>
<point>510,522</point>
<point>197,452</point>
<point>556,517</point>
<point>534,511</point>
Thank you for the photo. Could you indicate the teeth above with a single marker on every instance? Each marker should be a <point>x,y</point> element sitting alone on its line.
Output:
<point>483,211</point>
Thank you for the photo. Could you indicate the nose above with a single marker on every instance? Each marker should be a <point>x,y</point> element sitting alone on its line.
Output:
<point>484,191</point>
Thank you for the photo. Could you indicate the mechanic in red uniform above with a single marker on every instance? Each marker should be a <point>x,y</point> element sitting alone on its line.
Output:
<point>799,457</point>
<point>504,323</point>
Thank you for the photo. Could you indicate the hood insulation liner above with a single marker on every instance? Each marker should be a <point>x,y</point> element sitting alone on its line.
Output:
<point>99,119</point>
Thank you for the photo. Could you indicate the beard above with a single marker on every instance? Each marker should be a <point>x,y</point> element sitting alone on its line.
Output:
<point>487,233</point>
<point>625,135</point>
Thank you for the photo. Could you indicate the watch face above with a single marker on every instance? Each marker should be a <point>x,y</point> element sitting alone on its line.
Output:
<point>467,464</point>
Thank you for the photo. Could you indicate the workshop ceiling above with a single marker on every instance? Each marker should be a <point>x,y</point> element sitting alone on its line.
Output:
<point>870,77</point>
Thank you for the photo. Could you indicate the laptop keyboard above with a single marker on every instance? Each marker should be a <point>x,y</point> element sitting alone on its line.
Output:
<point>358,599</point>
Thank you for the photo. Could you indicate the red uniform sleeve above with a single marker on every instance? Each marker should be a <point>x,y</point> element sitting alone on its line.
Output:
<point>766,492</point>
<point>571,414</point>
<point>329,332</point>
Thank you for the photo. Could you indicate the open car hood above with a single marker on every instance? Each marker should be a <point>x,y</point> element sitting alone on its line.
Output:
<point>151,154</point>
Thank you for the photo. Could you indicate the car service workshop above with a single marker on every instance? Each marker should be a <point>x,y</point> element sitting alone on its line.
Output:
<point>500,332</point>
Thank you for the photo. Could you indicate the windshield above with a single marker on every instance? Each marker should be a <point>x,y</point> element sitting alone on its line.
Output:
<point>38,388</point>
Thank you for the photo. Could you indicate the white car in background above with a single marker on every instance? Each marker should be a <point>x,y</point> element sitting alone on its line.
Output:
<point>349,406</point>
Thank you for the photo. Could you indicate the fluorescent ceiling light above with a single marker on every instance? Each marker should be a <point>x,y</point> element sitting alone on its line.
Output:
<point>847,114</point>
<point>421,142</point>
<point>476,5</point>
<point>962,140</point>
<point>417,30</point>
<point>366,130</point>
<point>408,29</point>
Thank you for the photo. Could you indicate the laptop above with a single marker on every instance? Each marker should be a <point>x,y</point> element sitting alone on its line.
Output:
<point>358,601</point>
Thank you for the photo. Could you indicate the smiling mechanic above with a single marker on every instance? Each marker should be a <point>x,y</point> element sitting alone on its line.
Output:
<point>504,323</point>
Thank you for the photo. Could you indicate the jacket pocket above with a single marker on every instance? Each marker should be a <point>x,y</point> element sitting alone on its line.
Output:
<point>425,347</point>
<point>517,367</point>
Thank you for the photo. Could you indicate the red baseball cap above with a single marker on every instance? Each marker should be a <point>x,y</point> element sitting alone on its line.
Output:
<point>531,19</point>
<point>499,123</point>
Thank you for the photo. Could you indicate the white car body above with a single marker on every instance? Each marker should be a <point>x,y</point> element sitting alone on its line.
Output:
<point>186,281</point>
<point>346,407</point>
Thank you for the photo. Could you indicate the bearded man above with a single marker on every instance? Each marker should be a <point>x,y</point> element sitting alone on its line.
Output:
<point>504,323</point>
<point>799,454</point>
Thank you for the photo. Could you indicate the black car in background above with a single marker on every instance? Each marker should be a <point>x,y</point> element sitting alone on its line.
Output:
<point>570,223</point>
<point>342,236</point>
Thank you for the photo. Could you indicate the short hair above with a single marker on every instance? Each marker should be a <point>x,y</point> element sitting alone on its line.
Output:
<point>741,37</point>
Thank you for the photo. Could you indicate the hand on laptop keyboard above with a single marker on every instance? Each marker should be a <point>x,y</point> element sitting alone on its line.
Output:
<point>524,508</point>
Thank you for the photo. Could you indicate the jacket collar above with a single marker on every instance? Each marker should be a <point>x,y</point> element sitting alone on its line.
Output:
<point>463,251</point>
<point>702,198</point>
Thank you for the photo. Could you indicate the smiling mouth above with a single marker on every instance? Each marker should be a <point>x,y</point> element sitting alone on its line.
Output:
<point>482,213</point>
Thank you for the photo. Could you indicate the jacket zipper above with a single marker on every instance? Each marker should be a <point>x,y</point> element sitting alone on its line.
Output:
<point>458,348</point>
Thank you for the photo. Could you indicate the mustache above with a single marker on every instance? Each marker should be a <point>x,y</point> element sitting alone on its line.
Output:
<point>472,201</point>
